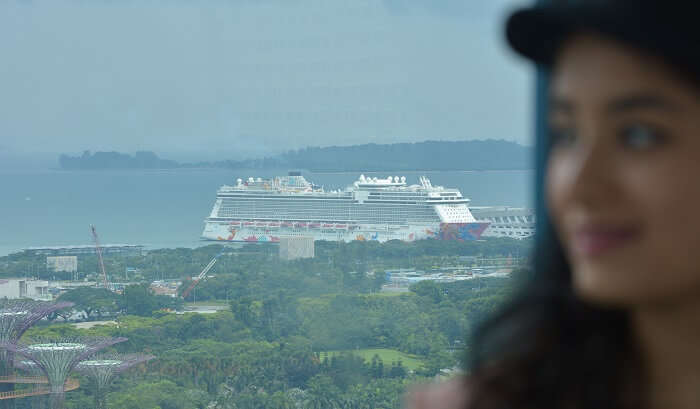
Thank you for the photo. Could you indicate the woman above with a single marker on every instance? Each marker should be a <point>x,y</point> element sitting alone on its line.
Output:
<point>611,318</point>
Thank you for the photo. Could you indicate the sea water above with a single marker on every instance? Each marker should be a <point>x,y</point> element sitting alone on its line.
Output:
<point>167,208</point>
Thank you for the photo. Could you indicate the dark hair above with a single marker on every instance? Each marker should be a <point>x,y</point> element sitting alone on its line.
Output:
<point>549,349</point>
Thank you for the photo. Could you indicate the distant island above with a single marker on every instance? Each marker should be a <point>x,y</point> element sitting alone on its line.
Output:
<point>429,155</point>
<point>115,160</point>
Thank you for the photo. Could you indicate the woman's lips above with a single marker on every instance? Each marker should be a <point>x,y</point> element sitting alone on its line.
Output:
<point>592,241</point>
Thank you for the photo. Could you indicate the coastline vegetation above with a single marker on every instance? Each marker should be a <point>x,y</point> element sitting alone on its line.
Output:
<point>410,362</point>
<point>305,333</point>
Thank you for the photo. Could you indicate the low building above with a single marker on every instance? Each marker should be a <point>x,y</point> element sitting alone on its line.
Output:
<point>14,288</point>
<point>57,264</point>
<point>168,288</point>
<point>128,249</point>
<point>292,248</point>
<point>402,279</point>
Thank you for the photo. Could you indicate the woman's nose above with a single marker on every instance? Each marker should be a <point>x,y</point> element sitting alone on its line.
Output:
<point>589,175</point>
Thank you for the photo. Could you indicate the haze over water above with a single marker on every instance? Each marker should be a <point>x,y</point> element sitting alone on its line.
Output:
<point>166,208</point>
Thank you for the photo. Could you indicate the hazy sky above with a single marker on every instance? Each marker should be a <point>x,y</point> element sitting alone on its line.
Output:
<point>225,78</point>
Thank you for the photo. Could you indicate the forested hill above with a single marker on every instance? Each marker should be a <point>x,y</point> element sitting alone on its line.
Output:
<point>429,155</point>
<point>115,160</point>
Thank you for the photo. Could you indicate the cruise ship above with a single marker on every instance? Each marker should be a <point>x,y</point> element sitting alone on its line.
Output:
<point>381,209</point>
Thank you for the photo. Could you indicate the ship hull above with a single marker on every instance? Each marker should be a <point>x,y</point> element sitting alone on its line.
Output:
<point>222,231</point>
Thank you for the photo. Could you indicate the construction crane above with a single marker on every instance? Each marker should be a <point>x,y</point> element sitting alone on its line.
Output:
<point>201,275</point>
<point>98,250</point>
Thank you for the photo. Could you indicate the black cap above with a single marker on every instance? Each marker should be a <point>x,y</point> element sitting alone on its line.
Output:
<point>669,29</point>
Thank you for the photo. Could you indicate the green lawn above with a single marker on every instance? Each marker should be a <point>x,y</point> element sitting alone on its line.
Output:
<point>392,293</point>
<point>411,362</point>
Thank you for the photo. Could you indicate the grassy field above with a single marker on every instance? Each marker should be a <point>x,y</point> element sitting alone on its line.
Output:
<point>392,293</point>
<point>388,356</point>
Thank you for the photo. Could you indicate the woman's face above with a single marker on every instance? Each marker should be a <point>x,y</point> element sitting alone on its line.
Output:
<point>623,179</point>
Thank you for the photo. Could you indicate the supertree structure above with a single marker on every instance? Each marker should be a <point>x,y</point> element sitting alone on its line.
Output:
<point>35,384</point>
<point>57,358</point>
<point>103,368</point>
<point>28,366</point>
<point>16,316</point>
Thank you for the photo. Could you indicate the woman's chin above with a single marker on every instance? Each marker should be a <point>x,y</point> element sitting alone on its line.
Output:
<point>613,287</point>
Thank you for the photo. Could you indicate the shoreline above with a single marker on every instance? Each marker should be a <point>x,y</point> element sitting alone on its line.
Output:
<point>166,208</point>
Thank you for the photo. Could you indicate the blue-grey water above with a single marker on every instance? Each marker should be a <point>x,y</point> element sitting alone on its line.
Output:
<point>166,208</point>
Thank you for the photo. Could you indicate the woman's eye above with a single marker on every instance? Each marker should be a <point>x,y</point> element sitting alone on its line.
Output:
<point>562,136</point>
<point>640,137</point>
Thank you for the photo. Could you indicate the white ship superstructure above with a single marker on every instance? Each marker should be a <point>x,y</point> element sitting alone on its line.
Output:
<point>261,210</point>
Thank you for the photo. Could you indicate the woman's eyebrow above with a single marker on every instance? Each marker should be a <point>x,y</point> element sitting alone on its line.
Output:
<point>641,101</point>
<point>617,105</point>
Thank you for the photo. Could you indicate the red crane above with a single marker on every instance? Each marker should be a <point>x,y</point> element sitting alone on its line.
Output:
<point>202,275</point>
<point>98,250</point>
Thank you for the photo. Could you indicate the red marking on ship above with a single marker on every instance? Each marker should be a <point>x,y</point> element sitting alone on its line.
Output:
<point>462,231</point>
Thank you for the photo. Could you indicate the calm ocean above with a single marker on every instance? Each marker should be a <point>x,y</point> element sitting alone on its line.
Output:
<point>167,208</point>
